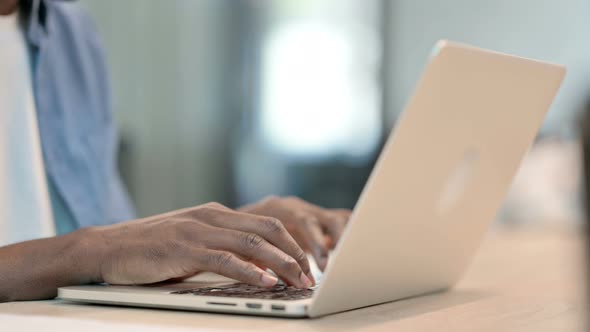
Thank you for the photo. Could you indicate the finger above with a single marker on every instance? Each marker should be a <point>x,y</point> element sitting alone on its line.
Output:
<point>250,260</point>
<point>345,213</point>
<point>332,222</point>
<point>254,247</point>
<point>228,265</point>
<point>313,237</point>
<point>271,229</point>
<point>334,227</point>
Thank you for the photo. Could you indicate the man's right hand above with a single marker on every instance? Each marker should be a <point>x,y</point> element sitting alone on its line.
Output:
<point>182,243</point>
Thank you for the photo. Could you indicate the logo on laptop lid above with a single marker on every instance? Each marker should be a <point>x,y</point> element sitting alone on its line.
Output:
<point>457,182</point>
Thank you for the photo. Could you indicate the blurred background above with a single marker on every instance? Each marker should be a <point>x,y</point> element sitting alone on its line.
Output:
<point>230,101</point>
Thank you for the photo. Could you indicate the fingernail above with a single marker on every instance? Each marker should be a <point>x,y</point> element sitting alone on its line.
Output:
<point>310,276</point>
<point>305,280</point>
<point>268,280</point>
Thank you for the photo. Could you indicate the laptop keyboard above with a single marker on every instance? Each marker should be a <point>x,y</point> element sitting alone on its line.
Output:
<point>278,292</point>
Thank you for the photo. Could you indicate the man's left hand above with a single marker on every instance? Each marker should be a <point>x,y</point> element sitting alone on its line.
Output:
<point>316,229</point>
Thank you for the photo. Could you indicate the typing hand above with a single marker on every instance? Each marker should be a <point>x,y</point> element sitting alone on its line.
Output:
<point>317,230</point>
<point>209,237</point>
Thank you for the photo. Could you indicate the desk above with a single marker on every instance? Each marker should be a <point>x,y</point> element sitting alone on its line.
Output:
<point>521,280</point>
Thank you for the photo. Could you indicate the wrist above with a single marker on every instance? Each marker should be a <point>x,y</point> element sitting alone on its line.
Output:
<point>87,252</point>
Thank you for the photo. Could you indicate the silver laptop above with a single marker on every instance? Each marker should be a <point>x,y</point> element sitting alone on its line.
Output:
<point>436,187</point>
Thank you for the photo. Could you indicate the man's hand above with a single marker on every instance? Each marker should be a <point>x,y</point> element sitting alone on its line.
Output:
<point>209,237</point>
<point>317,230</point>
<point>174,245</point>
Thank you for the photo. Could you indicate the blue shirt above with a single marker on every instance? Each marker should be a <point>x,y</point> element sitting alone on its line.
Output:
<point>73,102</point>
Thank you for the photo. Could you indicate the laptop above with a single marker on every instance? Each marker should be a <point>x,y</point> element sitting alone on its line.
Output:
<point>438,184</point>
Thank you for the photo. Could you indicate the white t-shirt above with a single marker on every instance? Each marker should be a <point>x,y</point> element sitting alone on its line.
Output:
<point>25,208</point>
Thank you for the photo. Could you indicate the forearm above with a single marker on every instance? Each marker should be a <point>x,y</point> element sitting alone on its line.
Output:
<point>35,269</point>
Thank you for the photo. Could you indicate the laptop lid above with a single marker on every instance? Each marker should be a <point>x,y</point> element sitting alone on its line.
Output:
<point>441,177</point>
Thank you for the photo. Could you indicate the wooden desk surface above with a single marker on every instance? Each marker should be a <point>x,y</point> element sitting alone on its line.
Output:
<point>521,280</point>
